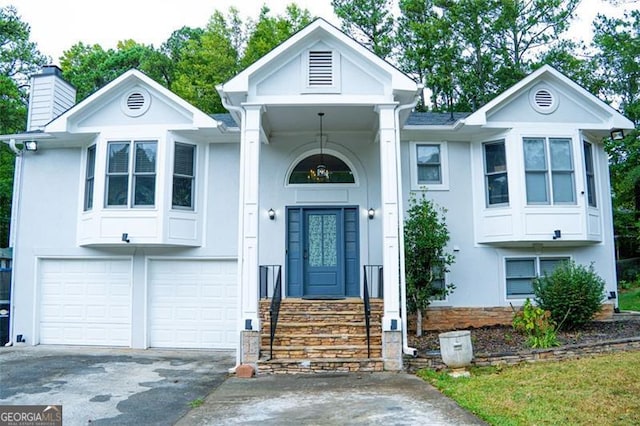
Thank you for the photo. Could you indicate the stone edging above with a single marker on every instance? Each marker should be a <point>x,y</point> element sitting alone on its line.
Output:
<point>558,353</point>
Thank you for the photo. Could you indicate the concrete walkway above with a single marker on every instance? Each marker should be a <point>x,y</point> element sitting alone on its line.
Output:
<point>328,399</point>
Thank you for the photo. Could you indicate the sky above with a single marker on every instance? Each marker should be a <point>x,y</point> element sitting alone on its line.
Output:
<point>56,25</point>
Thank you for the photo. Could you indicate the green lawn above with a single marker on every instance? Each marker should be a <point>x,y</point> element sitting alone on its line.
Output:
<point>629,300</point>
<point>601,390</point>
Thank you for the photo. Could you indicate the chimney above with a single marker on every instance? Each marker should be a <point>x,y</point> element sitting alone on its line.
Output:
<point>50,96</point>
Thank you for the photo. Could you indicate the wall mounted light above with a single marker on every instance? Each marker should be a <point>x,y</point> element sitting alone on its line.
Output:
<point>612,295</point>
<point>125,237</point>
<point>557,234</point>
<point>272,214</point>
<point>31,145</point>
<point>617,134</point>
<point>371,213</point>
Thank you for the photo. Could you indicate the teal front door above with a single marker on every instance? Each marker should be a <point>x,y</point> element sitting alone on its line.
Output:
<point>322,252</point>
<point>322,257</point>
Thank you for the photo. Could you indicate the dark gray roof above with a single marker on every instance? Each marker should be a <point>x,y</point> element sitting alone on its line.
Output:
<point>434,118</point>
<point>226,119</point>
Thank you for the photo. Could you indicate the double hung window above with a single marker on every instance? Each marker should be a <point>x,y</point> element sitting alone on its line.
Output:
<point>90,178</point>
<point>183,176</point>
<point>131,174</point>
<point>495,174</point>
<point>590,174</point>
<point>549,171</point>
<point>521,271</point>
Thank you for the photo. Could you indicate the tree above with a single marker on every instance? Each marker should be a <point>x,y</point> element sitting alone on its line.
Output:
<point>204,62</point>
<point>618,55</point>
<point>523,28</point>
<point>368,21</point>
<point>19,59</point>
<point>269,32</point>
<point>425,239</point>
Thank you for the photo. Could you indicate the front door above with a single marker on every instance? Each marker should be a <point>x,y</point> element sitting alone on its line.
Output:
<point>322,257</point>
<point>322,252</point>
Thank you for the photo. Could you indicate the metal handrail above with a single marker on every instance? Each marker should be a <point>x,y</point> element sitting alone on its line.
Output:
<point>368,274</point>
<point>367,312</point>
<point>274,309</point>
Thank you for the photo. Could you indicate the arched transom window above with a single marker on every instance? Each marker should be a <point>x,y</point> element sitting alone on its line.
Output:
<point>321,168</point>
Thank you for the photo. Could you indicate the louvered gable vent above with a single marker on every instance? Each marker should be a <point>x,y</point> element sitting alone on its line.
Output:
<point>544,99</point>
<point>320,68</point>
<point>135,101</point>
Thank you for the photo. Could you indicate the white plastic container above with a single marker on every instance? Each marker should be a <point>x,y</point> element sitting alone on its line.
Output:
<point>456,349</point>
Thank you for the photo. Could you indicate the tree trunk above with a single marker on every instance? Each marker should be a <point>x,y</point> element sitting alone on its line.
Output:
<point>419,323</point>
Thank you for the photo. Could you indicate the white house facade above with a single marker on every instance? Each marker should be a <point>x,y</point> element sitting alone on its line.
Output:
<point>142,222</point>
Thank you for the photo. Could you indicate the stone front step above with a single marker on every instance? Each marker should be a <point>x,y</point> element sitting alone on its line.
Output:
<point>322,335</point>
<point>293,339</point>
<point>315,365</point>
<point>322,351</point>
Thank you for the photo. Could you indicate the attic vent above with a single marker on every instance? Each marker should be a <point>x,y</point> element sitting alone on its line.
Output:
<point>543,100</point>
<point>320,68</point>
<point>136,102</point>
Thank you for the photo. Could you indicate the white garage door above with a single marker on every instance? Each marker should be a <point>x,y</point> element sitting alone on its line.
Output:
<point>85,302</point>
<point>192,304</point>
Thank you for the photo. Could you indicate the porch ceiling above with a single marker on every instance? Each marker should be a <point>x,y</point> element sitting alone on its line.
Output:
<point>298,119</point>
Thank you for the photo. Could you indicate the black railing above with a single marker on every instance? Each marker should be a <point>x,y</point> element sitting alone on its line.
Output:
<point>371,273</point>
<point>373,280</point>
<point>271,278</point>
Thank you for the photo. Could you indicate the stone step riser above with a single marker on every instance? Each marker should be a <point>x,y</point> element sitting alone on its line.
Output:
<point>298,367</point>
<point>321,316</point>
<point>321,341</point>
<point>328,353</point>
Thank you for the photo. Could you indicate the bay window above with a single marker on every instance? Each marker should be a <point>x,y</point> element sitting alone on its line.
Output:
<point>590,174</point>
<point>495,174</point>
<point>183,176</point>
<point>131,179</point>
<point>89,178</point>
<point>549,172</point>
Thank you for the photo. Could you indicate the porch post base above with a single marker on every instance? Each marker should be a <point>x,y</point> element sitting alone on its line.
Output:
<point>250,346</point>
<point>392,350</point>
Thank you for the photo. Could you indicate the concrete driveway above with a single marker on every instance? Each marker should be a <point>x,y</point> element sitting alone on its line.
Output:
<point>105,386</point>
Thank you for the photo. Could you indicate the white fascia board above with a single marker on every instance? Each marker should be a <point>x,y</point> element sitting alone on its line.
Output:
<point>240,83</point>
<point>479,118</point>
<point>61,123</point>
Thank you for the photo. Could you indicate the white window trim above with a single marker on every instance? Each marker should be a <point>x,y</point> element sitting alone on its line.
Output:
<point>444,165</point>
<point>485,188</point>
<point>537,258</point>
<point>131,175</point>
<point>194,188</point>
<point>335,69</point>
<point>549,172</point>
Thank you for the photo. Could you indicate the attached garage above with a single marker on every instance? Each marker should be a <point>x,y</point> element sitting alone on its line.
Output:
<point>192,304</point>
<point>85,301</point>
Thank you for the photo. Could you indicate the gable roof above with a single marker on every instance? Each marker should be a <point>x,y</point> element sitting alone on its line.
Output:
<point>319,27</point>
<point>200,119</point>
<point>479,117</point>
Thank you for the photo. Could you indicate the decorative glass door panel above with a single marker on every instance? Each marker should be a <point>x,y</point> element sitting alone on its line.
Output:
<point>323,260</point>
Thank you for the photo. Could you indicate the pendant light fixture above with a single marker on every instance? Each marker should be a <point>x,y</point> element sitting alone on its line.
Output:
<point>321,172</point>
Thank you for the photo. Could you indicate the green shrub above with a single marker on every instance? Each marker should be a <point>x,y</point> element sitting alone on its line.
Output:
<point>572,293</point>
<point>537,325</point>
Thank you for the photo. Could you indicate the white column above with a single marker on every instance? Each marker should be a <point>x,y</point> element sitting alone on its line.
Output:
<point>389,176</point>
<point>248,218</point>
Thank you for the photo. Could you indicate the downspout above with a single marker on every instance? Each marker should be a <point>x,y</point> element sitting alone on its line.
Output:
<point>403,280</point>
<point>239,110</point>
<point>15,208</point>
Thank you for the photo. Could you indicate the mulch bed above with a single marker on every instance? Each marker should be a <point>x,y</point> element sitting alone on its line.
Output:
<point>504,339</point>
